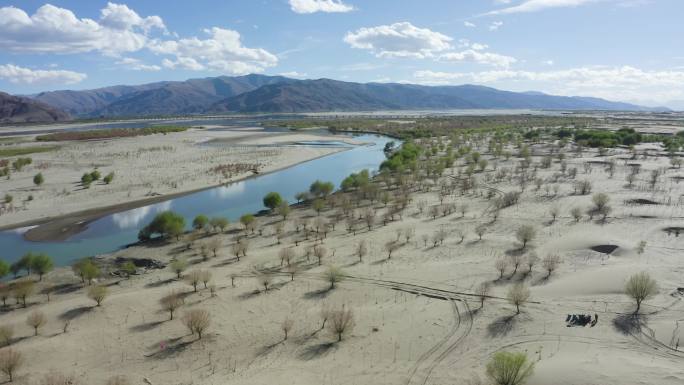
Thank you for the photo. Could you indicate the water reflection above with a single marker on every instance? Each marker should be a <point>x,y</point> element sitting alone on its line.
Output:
<point>135,217</point>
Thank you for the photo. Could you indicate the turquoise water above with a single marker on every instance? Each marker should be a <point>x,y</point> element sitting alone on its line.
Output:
<point>114,231</point>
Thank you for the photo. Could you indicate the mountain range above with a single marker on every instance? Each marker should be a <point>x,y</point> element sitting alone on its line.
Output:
<point>277,94</point>
<point>15,109</point>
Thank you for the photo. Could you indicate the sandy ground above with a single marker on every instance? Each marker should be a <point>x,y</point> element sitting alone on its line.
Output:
<point>416,320</point>
<point>145,167</point>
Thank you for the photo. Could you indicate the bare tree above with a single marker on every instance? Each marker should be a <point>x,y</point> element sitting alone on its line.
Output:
<point>36,320</point>
<point>171,302</point>
<point>325,315</point>
<point>178,266</point>
<point>525,234</point>
<point>532,260</point>
<point>214,245</point>
<point>600,201</point>
<point>333,275</point>
<point>264,280</point>
<point>641,287</point>
<point>10,361</point>
<point>197,321</point>
<point>501,265</point>
<point>390,247</point>
<point>576,213</point>
<point>98,293</point>
<point>286,326</point>
<point>205,277</point>
<point>341,321</point>
<point>361,249</point>
<point>482,291</point>
<point>193,279</point>
<point>554,211</point>
<point>320,252</point>
<point>286,256</point>
<point>550,263</point>
<point>516,260</point>
<point>518,295</point>
<point>480,231</point>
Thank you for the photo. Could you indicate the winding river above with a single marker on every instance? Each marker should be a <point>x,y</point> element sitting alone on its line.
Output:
<point>112,232</point>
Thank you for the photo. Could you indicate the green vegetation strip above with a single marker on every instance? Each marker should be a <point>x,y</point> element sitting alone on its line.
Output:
<point>19,151</point>
<point>109,134</point>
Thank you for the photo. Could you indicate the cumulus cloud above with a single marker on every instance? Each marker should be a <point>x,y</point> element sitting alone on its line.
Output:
<point>538,5</point>
<point>293,74</point>
<point>619,83</point>
<point>477,56</point>
<point>57,30</point>
<point>399,40</point>
<point>313,6</point>
<point>495,25</point>
<point>222,51</point>
<point>21,75</point>
<point>469,24</point>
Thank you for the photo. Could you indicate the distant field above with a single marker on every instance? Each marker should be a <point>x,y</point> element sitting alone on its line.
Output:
<point>19,151</point>
<point>108,134</point>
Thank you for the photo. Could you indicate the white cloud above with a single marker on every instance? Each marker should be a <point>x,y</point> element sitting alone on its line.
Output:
<point>222,51</point>
<point>399,40</point>
<point>469,24</point>
<point>119,16</point>
<point>293,74</point>
<point>617,83</point>
<point>313,6</point>
<point>548,62</point>
<point>136,65</point>
<point>57,30</point>
<point>495,25</point>
<point>538,5</point>
<point>477,56</point>
<point>21,75</point>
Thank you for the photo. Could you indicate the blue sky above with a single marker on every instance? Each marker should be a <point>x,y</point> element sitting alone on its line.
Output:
<point>629,50</point>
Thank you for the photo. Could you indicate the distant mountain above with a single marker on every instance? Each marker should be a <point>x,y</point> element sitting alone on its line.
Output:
<point>15,109</point>
<point>162,98</point>
<point>332,95</point>
<point>259,93</point>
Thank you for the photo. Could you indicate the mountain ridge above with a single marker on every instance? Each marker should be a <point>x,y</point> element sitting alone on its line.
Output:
<point>277,94</point>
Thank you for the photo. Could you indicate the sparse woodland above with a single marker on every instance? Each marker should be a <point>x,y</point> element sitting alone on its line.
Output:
<point>476,251</point>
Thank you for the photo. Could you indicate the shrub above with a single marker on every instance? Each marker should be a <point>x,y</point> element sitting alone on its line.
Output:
<point>98,293</point>
<point>197,321</point>
<point>507,368</point>
<point>108,178</point>
<point>641,287</point>
<point>128,268</point>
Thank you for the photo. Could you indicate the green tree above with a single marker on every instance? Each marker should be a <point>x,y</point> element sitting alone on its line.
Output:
<point>272,200</point>
<point>247,220</point>
<point>41,264</point>
<point>4,268</point>
<point>166,224</point>
<point>219,223</point>
<point>38,179</point>
<point>26,262</point>
<point>321,189</point>
<point>200,222</point>
<point>284,209</point>
<point>95,174</point>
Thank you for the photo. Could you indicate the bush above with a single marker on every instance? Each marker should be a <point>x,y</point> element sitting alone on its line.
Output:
<point>197,321</point>
<point>86,180</point>
<point>507,368</point>
<point>108,178</point>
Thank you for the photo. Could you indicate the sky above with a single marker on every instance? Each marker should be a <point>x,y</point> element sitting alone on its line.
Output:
<point>626,50</point>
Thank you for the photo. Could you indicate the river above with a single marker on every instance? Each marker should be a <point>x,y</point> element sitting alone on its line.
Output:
<point>112,232</point>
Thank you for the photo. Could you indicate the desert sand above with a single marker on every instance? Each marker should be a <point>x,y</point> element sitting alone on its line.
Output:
<point>418,319</point>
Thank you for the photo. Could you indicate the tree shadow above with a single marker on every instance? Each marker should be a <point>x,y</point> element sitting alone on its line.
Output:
<point>173,347</point>
<point>317,351</point>
<point>66,288</point>
<point>161,283</point>
<point>75,313</point>
<point>268,348</point>
<point>146,326</point>
<point>501,326</point>
<point>318,294</point>
<point>628,323</point>
<point>249,294</point>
